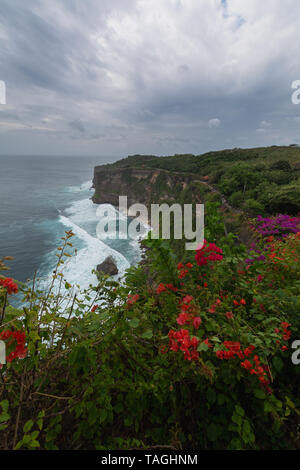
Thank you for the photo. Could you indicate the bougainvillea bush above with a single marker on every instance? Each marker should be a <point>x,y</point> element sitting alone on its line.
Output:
<point>189,353</point>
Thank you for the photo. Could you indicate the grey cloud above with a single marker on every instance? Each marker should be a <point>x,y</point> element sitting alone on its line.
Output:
<point>77,125</point>
<point>142,75</point>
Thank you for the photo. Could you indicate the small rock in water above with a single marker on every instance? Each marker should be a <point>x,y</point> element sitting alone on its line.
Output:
<point>108,267</point>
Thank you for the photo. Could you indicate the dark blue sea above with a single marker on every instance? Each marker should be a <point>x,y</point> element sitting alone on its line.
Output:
<point>41,198</point>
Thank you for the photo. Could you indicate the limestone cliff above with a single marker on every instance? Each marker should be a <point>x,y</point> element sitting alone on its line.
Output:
<point>145,186</point>
<point>151,185</point>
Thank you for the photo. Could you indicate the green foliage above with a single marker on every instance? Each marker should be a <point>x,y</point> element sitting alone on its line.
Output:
<point>267,175</point>
<point>281,165</point>
<point>253,207</point>
<point>285,199</point>
<point>98,375</point>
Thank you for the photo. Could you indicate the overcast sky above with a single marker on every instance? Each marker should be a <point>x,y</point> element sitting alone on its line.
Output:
<point>118,77</point>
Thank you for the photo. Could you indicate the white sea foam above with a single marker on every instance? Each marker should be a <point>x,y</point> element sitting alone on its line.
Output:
<point>79,268</point>
<point>81,217</point>
<point>82,211</point>
<point>82,187</point>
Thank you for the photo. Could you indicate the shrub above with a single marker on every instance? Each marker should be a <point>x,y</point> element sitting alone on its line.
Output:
<point>189,355</point>
<point>282,165</point>
<point>253,207</point>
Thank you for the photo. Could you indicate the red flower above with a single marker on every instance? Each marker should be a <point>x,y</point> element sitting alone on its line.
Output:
<point>171,287</point>
<point>194,342</point>
<point>163,349</point>
<point>20,351</point>
<point>9,285</point>
<point>206,341</point>
<point>246,364</point>
<point>183,273</point>
<point>197,322</point>
<point>161,288</point>
<point>233,346</point>
<point>187,299</point>
<point>182,319</point>
<point>132,298</point>
<point>207,253</point>
<point>220,354</point>
<point>5,335</point>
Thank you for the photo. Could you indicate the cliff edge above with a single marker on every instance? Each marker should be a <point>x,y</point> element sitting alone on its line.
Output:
<point>141,185</point>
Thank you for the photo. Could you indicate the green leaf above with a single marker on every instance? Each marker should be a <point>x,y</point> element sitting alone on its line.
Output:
<point>211,396</point>
<point>19,445</point>
<point>40,424</point>
<point>103,415</point>
<point>134,323</point>
<point>147,334</point>
<point>247,434</point>
<point>214,431</point>
<point>4,405</point>
<point>4,417</point>
<point>237,419</point>
<point>118,408</point>
<point>259,393</point>
<point>277,363</point>
<point>289,402</point>
<point>28,425</point>
<point>34,434</point>
<point>26,439</point>
<point>202,347</point>
<point>240,410</point>
<point>34,444</point>
<point>221,399</point>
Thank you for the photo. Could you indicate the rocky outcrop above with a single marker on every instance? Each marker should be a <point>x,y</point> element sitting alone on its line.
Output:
<point>140,185</point>
<point>108,267</point>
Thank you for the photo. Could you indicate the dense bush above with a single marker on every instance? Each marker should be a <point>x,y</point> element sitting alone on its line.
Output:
<point>194,354</point>
<point>253,207</point>
<point>281,165</point>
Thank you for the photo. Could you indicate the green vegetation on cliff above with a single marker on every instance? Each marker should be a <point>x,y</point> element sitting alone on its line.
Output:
<point>258,181</point>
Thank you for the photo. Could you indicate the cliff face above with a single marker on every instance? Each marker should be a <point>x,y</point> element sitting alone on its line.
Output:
<point>154,186</point>
<point>145,186</point>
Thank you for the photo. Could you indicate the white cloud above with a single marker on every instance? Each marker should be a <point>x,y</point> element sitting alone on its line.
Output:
<point>265,124</point>
<point>214,123</point>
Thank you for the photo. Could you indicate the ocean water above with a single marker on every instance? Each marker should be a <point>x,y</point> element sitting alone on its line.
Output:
<point>41,198</point>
